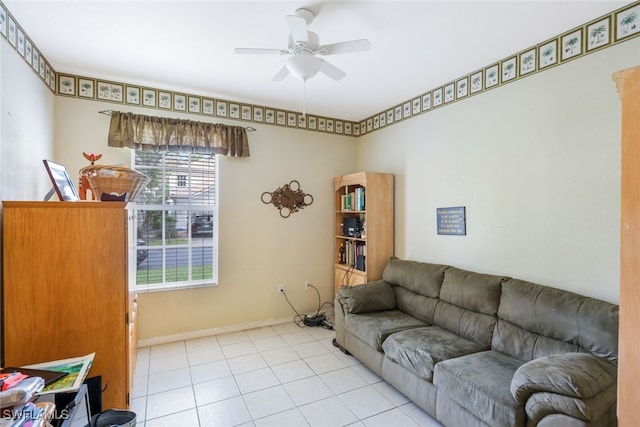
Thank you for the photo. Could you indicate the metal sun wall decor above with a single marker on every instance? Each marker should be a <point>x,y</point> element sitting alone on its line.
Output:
<point>288,199</point>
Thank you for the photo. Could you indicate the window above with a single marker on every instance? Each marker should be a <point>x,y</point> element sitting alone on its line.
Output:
<point>176,221</point>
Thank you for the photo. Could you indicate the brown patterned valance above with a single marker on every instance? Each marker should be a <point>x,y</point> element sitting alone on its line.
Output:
<point>165,134</point>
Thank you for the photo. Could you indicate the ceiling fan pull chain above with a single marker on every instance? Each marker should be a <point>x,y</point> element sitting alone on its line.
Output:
<point>304,98</point>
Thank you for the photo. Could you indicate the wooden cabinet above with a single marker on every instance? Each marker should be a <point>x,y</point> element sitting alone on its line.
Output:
<point>65,289</point>
<point>628,82</point>
<point>363,227</point>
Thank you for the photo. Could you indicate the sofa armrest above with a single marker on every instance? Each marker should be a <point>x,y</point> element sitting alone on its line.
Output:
<point>367,298</point>
<point>580,385</point>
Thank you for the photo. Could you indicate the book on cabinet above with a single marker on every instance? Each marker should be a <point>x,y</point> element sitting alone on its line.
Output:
<point>363,227</point>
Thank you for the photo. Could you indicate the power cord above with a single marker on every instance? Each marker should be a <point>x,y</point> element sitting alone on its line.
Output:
<point>318,319</point>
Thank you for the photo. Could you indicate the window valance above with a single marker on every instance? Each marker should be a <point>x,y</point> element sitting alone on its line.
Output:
<point>166,134</point>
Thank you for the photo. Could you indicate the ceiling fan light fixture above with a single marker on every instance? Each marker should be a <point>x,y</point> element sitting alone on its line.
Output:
<point>304,66</point>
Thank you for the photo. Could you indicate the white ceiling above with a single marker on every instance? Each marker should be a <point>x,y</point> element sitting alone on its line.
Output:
<point>187,46</point>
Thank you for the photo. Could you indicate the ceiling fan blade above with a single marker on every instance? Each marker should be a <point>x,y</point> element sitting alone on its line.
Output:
<point>360,45</point>
<point>331,70</point>
<point>258,51</point>
<point>298,28</point>
<point>284,72</point>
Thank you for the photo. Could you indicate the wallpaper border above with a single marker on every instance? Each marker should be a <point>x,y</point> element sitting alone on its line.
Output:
<point>610,29</point>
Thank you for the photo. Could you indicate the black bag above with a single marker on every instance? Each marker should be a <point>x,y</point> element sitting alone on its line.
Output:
<point>113,417</point>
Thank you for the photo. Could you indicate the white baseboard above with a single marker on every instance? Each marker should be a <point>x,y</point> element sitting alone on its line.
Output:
<point>209,332</point>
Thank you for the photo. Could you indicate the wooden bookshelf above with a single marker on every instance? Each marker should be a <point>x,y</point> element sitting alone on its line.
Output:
<point>363,227</point>
<point>628,83</point>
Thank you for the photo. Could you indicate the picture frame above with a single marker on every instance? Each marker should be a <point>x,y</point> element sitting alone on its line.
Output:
<point>348,128</point>
<point>598,34</point>
<point>12,36</point>
<point>330,125</point>
<point>179,102</point>
<point>571,45</point>
<point>356,129</point>
<point>437,97</point>
<point>462,88</point>
<point>312,122</point>
<point>362,128</point>
<point>67,85</point>
<point>42,66</point>
<point>164,100</point>
<point>322,124</point>
<point>3,21</point>
<point>62,183</point>
<point>36,60</point>
<point>269,116</point>
<point>28,51</point>
<point>116,92</point>
<point>508,69</point>
<point>548,54</point>
<point>234,110</point>
<point>382,118</point>
<point>491,76</point>
<point>369,125</point>
<point>627,22</point>
<point>406,110</point>
<point>426,101</point>
<point>221,109</point>
<point>52,81</point>
<point>398,113</point>
<point>281,118</point>
<point>302,121</point>
<point>194,104</point>
<point>389,116</point>
<point>20,46</point>
<point>376,122</point>
<point>86,88</point>
<point>340,127</point>
<point>149,97</point>
<point>528,61</point>
<point>476,82</point>
<point>104,91</point>
<point>208,106</point>
<point>291,119</point>
<point>416,106</point>
<point>47,75</point>
<point>246,112</point>
<point>449,92</point>
<point>133,95</point>
<point>258,114</point>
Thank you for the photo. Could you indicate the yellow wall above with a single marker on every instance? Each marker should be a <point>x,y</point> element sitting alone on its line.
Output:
<point>257,248</point>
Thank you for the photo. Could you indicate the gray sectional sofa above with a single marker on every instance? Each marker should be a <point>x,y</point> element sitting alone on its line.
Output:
<point>475,349</point>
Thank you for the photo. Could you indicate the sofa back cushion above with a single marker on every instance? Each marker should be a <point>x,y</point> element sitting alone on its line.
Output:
<point>536,320</point>
<point>416,285</point>
<point>422,278</point>
<point>468,304</point>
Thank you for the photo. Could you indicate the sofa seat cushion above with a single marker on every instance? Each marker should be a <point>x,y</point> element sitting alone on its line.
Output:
<point>480,383</point>
<point>418,350</point>
<point>374,328</point>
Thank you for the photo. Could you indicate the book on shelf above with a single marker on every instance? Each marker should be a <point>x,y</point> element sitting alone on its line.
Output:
<point>354,200</point>
<point>355,254</point>
<point>76,369</point>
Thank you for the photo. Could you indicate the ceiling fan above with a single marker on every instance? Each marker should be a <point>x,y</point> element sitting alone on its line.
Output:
<point>305,49</point>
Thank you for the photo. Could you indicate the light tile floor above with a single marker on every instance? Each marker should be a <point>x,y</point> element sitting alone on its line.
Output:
<point>280,376</point>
